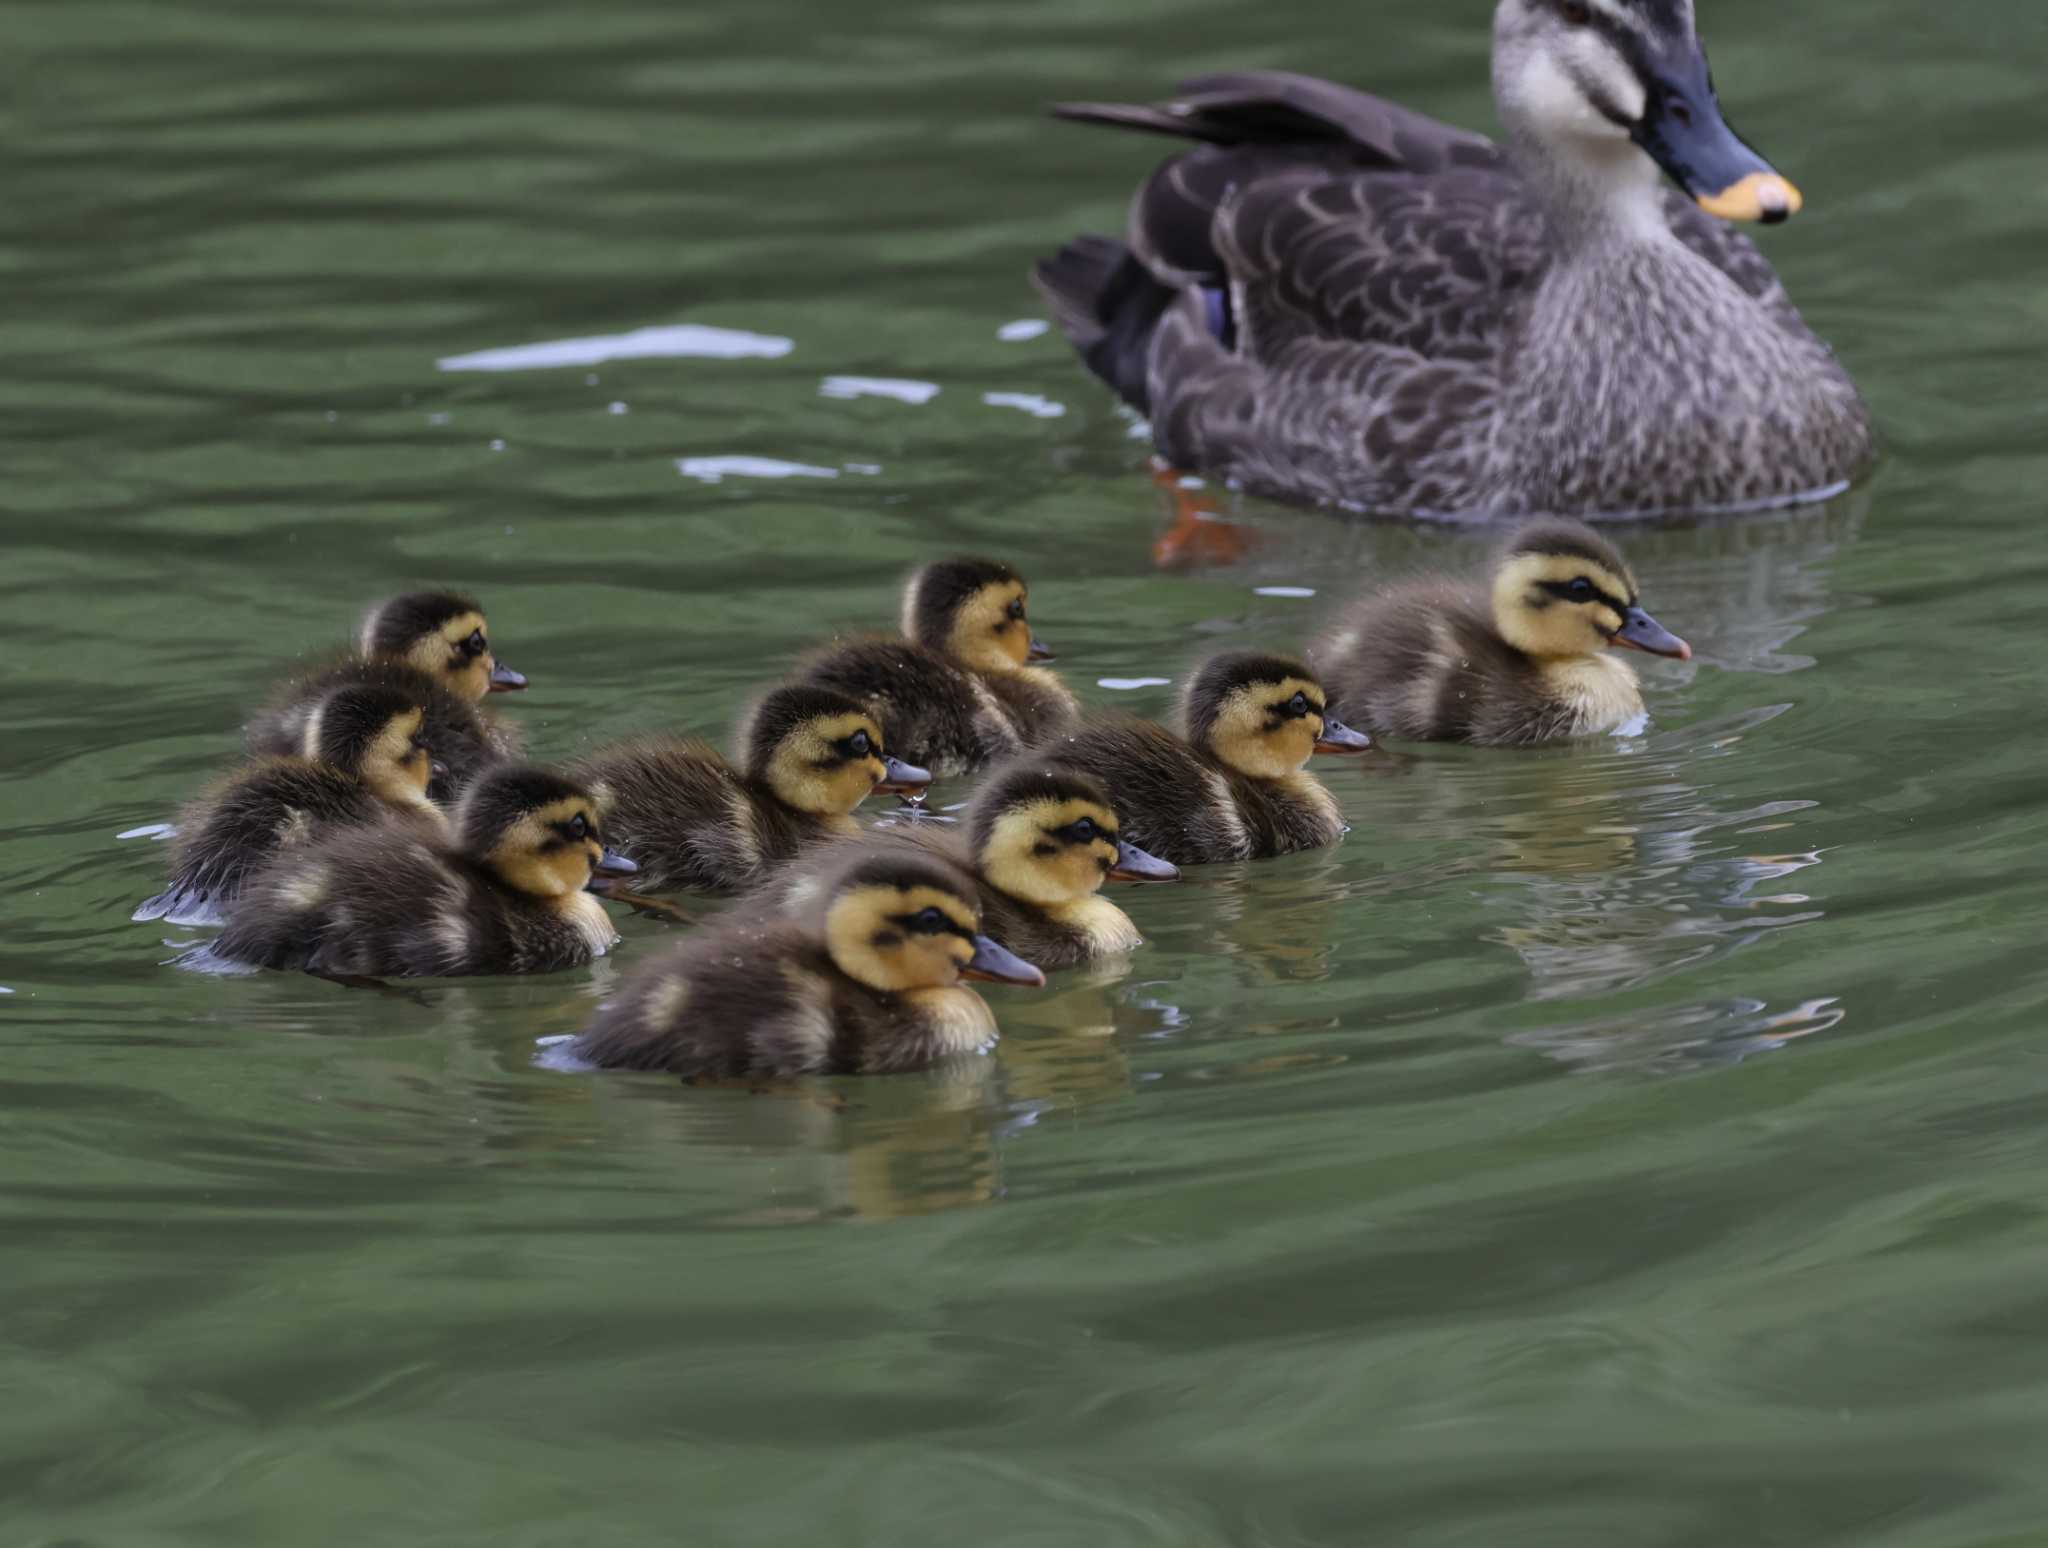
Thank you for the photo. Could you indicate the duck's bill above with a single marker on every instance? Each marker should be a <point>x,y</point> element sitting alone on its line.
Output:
<point>1040,651</point>
<point>1134,865</point>
<point>1639,631</point>
<point>1340,738</point>
<point>615,864</point>
<point>505,680</point>
<point>994,964</point>
<point>900,778</point>
<point>1684,133</point>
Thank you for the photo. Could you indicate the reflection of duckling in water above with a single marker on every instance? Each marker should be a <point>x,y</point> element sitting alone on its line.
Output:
<point>434,645</point>
<point>1526,660</point>
<point>507,896</point>
<point>962,688</point>
<point>1041,838</point>
<point>865,981</point>
<point>688,818</point>
<point>1237,786</point>
<point>362,758</point>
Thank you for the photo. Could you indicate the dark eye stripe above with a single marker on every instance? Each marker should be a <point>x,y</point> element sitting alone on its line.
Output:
<point>1562,590</point>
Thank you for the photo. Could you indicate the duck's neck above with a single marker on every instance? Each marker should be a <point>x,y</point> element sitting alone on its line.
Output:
<point>1605,196</point>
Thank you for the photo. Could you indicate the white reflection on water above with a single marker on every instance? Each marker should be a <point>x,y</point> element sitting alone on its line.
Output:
<point>684,340</point>
<point>1030,402</point>
<point>714,470</point>
<point>900,389</point>
<point>1023,328</point>
<point>1131,684</point>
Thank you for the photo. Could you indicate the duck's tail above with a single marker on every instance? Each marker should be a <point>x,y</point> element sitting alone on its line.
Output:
<point>1107,303</point>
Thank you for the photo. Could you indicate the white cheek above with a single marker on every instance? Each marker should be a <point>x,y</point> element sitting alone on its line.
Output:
<point>1553,100</point>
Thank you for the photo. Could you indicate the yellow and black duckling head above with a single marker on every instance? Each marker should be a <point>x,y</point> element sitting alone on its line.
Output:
<point>904,922</point>
<point>1604,93</point>
<point>976,611</point>
<point>537,831</point>
<point>1561,590</point>
<point>440,633</point>
<point>1262,715</point>
<point>372,733</point>
<point>1048,834</point>
<point>821,752</point>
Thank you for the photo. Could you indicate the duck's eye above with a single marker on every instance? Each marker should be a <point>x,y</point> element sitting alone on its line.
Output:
<point>1298,705</point>
<point>1580,590</point>
<point>859,745</point>
<point>1576,13</point>
<point>930,921</point>
<point>579,827</point>
<point>476,644</point>
<point>1084,831</point>
<point>1016,610</point>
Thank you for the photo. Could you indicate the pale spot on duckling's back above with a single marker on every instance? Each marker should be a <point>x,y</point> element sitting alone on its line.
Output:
<point>1223,807</point>
<point>306,889</point>
<point>588,916</point>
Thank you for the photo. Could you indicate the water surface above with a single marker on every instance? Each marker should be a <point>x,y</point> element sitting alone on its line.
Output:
<point>1635,1143</point>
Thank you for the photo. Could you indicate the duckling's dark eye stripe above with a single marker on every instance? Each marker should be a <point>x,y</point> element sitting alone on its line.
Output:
<point>1562,590</point>
<point>911,923</point>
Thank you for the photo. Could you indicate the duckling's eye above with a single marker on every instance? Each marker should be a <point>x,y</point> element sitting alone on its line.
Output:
<point>1084,831</point>
<point>1577,14</point>
<point>1298,705</point>
<point>859,745</point>
<point>579,827</point>
<point>1580,590</point>
<point>1016,610</point>
<point>930,921</point>
<point>476,644</point>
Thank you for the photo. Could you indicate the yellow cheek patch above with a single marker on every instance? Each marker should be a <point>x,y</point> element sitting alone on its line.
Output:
<point>985,635</point>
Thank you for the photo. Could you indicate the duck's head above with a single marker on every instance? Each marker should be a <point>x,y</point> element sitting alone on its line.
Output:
<point>1262,715</point>
<point>1561,590</point>
<point>537,830</point>
<point>1609,89</point>
<point>821,751</point>
<point>1048,834</point>
<point>371,732</point>
<point>903,922</point>
<point>442,634</point>
<point>974,610</point>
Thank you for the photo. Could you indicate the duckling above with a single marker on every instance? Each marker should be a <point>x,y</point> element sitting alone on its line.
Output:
<point>1040,838</point>
<point>1236,787</point>
<point>1525,659</point>
<point>688,818</point>
<point>967,684</point>
<point>506,895</point>
<point>362,756</point>
<point>433,644</point>
<point>864,982</point>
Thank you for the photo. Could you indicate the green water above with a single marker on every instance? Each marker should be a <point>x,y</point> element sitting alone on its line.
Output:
<point>1633,1144</point>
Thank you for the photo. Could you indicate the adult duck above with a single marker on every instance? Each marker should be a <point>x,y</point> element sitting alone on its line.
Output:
<point>1336,300</point>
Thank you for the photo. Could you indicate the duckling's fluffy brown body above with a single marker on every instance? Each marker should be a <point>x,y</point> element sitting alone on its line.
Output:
<point>1183,805</point>
<point>383,903</point>
<point>688,818</point>
<point>1526,656</point>
<point>1426,664</point>
<point>943,717</point>
<point>758,995</point>
<point>464,739</point>
<point>274,805</point>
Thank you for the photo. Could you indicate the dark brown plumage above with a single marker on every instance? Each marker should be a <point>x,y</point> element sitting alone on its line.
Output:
<point>1520,656</point>
<point>1234,787</point>
<point>958,691</point>
<point>364,761</point>
<point>405,643</point>
<point>506,896</point>
<point>865,981</point>
<point>689,818</point>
